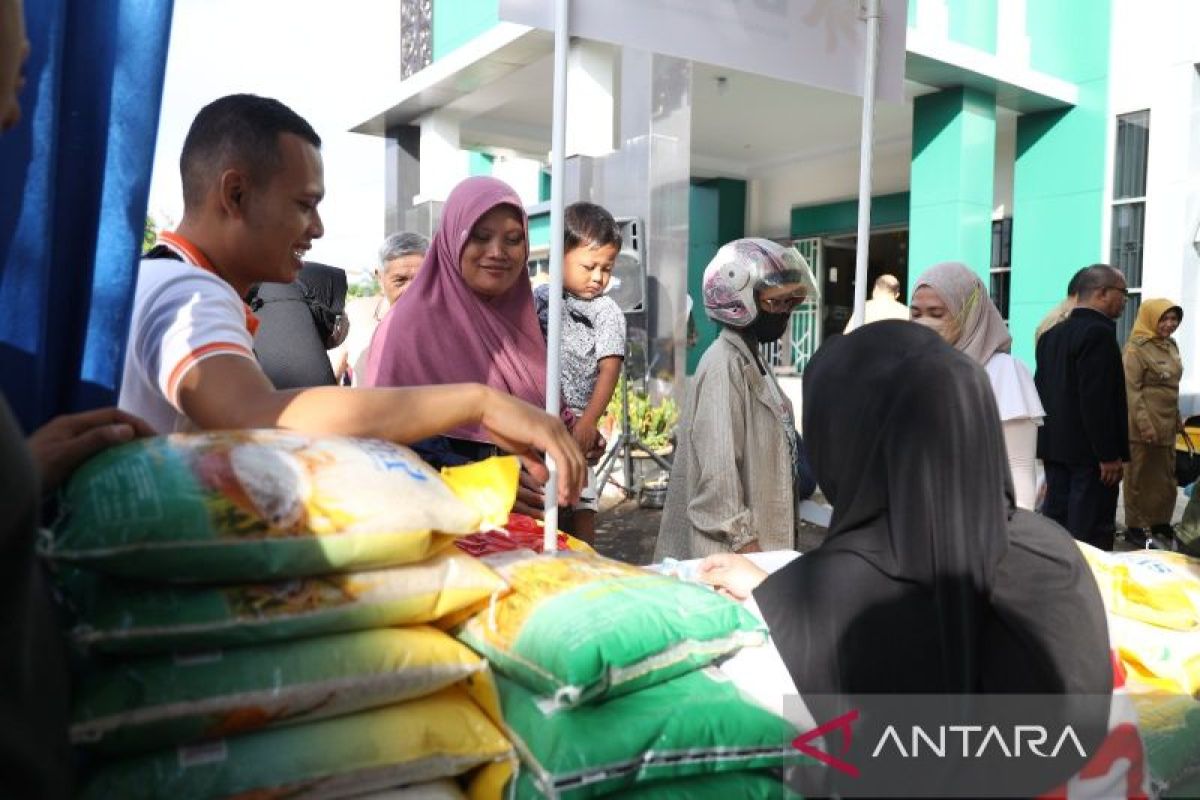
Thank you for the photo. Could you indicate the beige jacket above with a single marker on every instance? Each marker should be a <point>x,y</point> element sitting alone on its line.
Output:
<point>731,482</point>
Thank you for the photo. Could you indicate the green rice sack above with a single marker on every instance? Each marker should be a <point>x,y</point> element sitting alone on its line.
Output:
<point>578,626</point>
<point>438,736</point>
<point>1170,729</point>
<point>150,703</point>
<point>137,618</point>
<point>723,786</point>
<point>696,724</point>
<point>250,505</point>
<point>1187,787</point>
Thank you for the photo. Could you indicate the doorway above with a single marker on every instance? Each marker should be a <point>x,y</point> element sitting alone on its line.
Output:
<point>889,255</point>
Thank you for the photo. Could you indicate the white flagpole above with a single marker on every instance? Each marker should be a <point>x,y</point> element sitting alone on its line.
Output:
<point>866,146</point>
<point>558,144</point>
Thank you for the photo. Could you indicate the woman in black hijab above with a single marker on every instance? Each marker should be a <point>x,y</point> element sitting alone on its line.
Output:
<point>299,323</point>
<point>930,580</point>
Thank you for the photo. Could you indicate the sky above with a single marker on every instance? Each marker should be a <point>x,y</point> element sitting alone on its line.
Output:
<point>334,63</point>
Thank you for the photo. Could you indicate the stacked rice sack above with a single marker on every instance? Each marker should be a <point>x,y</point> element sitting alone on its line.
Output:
<point>1153,604</point>
<point>255,605</point>
<point>605,684</point>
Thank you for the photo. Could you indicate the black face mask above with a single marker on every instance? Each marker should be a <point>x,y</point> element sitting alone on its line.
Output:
<point>768,327</point>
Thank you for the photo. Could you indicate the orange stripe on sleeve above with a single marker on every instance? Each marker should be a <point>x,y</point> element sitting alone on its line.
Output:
<point>197,355</point>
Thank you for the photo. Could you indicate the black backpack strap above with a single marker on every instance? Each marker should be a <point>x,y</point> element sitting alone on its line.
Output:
<point>162,251</point>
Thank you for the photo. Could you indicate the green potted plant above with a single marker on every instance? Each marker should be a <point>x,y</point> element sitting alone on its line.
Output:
<point>653,424</point>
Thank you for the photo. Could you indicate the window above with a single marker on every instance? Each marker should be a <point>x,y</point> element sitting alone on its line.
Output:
<point>1129,209</point>
<point>1001,264</point>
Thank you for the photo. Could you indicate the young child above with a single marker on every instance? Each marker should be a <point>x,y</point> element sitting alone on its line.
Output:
<point>593,337</point>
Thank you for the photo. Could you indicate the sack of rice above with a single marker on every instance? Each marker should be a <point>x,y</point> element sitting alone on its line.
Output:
<point>1151,586</point>
<point>116,616</point>
<point>1153,604</point>
<point>250,505</point>
<point>147,704</point>
<point>439,736</point>
<point>696,724</point>
<point>577,626</point>
<point>436,790</point>
<point>1170,728</point>
<point>723,786</point>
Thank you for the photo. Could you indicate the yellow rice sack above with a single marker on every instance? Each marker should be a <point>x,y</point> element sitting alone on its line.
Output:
<point>439,736</point>
<point>1153,603</point>
<point>116,616</point>
<point>145,704</point>
<point>251,505</point>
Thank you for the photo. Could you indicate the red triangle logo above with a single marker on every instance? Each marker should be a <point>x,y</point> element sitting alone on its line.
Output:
<point>843,723</point>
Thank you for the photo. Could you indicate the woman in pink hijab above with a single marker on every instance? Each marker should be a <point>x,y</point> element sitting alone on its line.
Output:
<point>468,315</point>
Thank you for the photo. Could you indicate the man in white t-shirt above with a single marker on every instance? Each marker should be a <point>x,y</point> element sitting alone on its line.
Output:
<point>884,303</point>
<point>252,180</point>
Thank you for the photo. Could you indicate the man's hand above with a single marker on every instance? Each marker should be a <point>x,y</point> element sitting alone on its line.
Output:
<point>531,499</point>
<point>528,432</point>
<point>1110,472</point>
<point>753,547</point>
<point>65,442</point>
<point>730,574</point>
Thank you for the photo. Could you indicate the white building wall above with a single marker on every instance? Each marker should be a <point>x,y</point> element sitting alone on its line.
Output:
<point>1154,52</point>
<point>522,174</point>
<point>822,178</point>
<point>1012,32</point>
<point>819,178</point>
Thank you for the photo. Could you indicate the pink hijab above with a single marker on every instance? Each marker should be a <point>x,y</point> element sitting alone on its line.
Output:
<point>440,331</point>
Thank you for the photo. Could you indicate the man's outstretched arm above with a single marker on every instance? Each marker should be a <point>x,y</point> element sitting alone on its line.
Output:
<point>230,391</point>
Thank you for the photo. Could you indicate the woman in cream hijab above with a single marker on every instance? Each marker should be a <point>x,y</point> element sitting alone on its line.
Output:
<point>952,300</point>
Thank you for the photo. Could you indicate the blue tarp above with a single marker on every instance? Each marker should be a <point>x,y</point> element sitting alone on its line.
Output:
<point>75,177</point>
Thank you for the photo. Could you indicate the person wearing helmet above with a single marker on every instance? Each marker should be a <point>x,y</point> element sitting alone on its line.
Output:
<point>740,468</point>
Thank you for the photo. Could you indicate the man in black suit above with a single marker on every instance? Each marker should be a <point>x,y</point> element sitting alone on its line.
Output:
<point>1085,438</point>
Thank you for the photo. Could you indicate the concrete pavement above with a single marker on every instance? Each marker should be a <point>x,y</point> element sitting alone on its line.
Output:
<point>627,532</point>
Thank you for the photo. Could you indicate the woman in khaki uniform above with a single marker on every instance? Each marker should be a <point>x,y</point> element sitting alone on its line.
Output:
<point>1152,372</point>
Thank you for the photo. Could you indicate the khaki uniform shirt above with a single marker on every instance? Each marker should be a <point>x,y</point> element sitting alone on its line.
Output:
<point>1152,373</point>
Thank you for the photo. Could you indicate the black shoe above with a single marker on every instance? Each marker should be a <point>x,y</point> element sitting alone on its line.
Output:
<point>1135,536</point>
<point>1163,537</point>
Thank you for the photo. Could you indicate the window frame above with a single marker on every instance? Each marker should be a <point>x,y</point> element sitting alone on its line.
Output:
<point>1116,202</point>
<point>1001,264</point>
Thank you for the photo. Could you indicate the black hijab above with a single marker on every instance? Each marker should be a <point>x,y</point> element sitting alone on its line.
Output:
<point>929,580</point>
